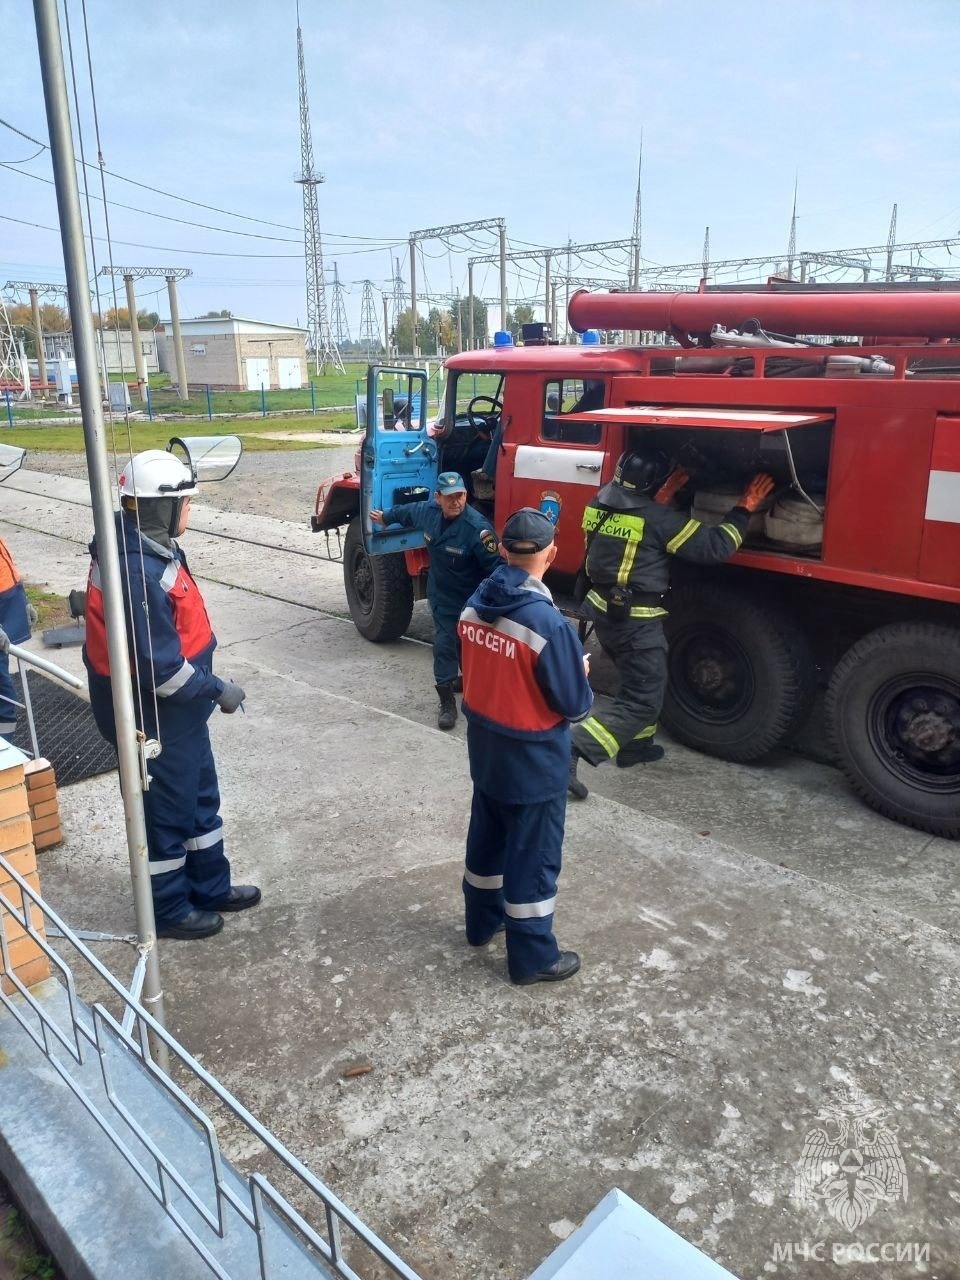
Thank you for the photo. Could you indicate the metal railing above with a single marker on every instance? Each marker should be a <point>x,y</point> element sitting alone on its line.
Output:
<point>27,659</point>
<point>92,1035</point>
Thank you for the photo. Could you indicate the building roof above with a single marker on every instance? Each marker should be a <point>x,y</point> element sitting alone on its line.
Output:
<point>221,324</point>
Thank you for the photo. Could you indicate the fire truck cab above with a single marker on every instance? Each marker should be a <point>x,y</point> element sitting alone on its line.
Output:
<point>849,582</point>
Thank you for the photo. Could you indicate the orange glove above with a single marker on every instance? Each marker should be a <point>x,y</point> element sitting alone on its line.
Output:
<point>757,491</point>
<point>671,486</point>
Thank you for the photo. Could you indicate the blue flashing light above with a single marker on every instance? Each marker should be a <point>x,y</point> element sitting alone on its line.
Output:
<point>502,338</point>
<point>590,338</point>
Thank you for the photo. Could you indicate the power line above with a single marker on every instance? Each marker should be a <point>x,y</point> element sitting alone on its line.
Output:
<point>164,248</point>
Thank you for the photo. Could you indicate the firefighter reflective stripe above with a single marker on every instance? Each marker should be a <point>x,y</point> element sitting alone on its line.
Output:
<point>638,610</point>
<point>678,539</point>
<point>176,681</point>
<point>206,841</point>
<point>734,533</point>
<point>162,866</point>
<point>482,882</point>
<point>530,910</point>
<point>626,562</point>
<point>168,579</point>
<point>648,732</point>
<point>596,730</point>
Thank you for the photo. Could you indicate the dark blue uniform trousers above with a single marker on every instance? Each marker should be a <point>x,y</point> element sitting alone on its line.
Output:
<point>188,867</point>
<point>446,659</point>
<point>513,861</point>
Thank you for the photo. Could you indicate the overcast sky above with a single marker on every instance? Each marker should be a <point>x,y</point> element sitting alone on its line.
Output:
<point>437,111</point>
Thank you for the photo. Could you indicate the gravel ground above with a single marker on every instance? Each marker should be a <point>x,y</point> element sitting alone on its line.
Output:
<point>283,485</point>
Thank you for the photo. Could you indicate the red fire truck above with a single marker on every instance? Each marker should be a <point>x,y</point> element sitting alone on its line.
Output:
<point>850,582</point>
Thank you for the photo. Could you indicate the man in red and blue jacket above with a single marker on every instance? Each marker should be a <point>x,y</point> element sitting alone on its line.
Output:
<point>524,681</point>
<point>175,692</point>
<point>14,629</point>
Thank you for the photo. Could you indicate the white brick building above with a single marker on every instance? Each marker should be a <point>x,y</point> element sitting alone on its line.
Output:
<point>235,354</point>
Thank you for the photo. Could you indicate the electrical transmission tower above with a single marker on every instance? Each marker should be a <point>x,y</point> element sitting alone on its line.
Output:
<point>325,350</point>
<point>341,327</point>
<point>12,364</point>
<point>891,242</point>
<point>369,324</point>
<point>706,253</point>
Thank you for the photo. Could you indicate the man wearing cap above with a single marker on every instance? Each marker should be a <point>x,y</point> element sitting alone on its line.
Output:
<point>524,680</point>
<point>463,550</point>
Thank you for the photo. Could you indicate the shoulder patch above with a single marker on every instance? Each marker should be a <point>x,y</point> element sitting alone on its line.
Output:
<point>489,540</point>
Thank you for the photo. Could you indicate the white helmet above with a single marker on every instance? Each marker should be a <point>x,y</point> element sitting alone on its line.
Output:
<point>157,474</point>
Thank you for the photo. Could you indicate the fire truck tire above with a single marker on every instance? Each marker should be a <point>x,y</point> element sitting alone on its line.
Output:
<point>893,717</point>
<point>741,675</point>
<point>379,590</point>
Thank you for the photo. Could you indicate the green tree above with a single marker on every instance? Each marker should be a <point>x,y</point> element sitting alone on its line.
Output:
<point>216,315</point>
<point>462,310</point>
<point>53,319</point>
<point>521,314</point>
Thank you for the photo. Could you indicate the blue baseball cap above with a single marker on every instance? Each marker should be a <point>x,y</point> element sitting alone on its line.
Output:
<point>450,482</point>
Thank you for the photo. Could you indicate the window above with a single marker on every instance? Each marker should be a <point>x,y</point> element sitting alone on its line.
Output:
<point>572,395</point>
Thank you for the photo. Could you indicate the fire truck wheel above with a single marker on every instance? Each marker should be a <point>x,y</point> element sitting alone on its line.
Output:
<point>741,676</point>
<point>379,590</point>
<point>893,716</point>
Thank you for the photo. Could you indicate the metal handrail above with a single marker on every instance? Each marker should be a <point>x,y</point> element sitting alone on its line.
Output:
<point>24,656</point>
<point>96,1030</point>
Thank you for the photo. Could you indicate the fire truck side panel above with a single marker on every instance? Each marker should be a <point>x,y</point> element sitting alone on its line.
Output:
<point>940,549</point>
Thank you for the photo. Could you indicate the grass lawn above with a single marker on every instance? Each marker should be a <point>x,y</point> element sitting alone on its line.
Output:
<point>154,435</point>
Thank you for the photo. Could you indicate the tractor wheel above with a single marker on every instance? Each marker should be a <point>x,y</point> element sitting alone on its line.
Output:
<point>741,675</point>
<point>379,589</point>
<point>893,716</point>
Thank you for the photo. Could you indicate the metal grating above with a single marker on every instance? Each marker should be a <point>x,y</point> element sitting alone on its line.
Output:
<point>66,731</point>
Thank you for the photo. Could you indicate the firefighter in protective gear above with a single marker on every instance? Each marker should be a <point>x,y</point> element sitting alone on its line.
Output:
<point>524,680</point>
<point>175,692</point>
<point>463,551</point>
<point>631,532</point>
<point>14,629</point>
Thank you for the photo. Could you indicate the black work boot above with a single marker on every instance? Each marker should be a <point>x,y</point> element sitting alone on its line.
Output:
<point>575,787</point>
<point>447,715</point>
<point>642,752</point>
<point>195,924</point>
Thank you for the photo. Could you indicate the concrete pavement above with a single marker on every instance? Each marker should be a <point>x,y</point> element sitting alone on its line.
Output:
<point>724,996</point>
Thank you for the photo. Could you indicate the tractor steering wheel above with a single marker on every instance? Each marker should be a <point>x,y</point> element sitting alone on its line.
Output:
<point>486,420</point>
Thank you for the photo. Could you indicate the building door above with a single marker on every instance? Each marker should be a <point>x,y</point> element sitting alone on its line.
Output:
<point>258,374</point>
<point>289,374</point>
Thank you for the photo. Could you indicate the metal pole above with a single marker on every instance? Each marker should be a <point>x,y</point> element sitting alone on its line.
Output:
<point>386,328</point>
<point>182,389</point>
<point>209,404</point>
<point>134,340</point>
<point>6,396</point>
<point>41,358</point>
<point>95,443</point>
<point>546,289</point>
<point>149,405</point>
<point>470,306</point>
<point>503,275</point>
<point>313,398</point>
<point>413,293</point>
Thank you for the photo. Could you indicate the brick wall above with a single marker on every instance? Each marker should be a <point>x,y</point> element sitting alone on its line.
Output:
<point>218,365</point>
<point>25,957</point>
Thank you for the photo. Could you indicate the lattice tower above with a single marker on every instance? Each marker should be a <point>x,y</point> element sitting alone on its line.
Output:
<point>369,323</point>
<point>340,325</point>
<point>11,368</point>
<point>325,350</point>
<point>399,296</point>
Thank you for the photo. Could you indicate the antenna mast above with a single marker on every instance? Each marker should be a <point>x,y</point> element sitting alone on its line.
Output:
<point>325,350</point>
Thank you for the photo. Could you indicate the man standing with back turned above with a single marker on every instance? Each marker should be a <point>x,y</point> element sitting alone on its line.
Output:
<point>524,680</point>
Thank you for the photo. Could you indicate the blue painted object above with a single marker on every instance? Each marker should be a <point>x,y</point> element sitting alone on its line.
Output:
<point>502,339</point>
<point>590,338</point>
<point>619,1239</point>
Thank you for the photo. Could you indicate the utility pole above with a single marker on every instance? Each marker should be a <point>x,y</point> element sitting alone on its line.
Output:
<point>706,254</point>
<point>171,275</point>
<point>891,243</point>
<point>792,242</point>
<point>470,335</point>
<point>413,295</point>
<point>503,276</point>
<point>101,491</point>
<point>325,350</point>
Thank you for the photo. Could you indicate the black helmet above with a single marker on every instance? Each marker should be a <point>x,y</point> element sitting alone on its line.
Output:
<point>642,470</point>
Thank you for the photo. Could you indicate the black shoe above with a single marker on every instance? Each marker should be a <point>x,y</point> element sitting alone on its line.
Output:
<point>642,753</point>
<point>447,716</point>
<point>489,938</point>
<point>575,787</point>
<point>196,924</point>
<point>240,897</point>
<point>566,965</point>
